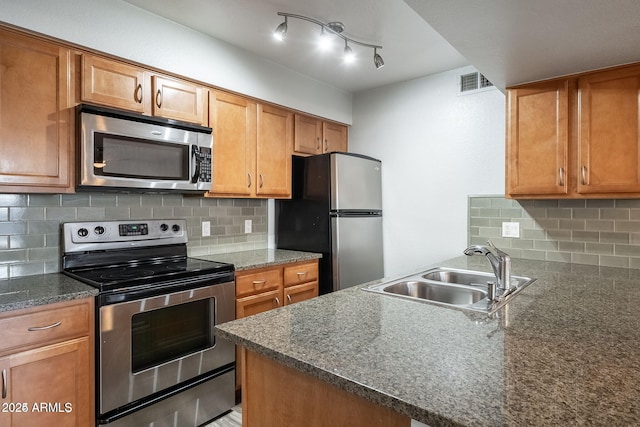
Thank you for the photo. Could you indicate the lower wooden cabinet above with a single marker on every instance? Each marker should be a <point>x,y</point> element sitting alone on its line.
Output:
<point>262,289</point>
<point>47,380</point>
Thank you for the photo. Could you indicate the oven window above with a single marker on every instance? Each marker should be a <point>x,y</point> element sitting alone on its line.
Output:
<point>121,156</point>
<point>165,334</point>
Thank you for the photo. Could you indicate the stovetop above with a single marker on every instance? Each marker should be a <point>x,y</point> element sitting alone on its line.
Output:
<point>128,254</point>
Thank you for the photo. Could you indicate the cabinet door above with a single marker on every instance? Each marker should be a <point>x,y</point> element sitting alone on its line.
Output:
<point>233,119</point>
<point>114,84</point>
<point>302,292</point>
<point>273,153</point>
<point>609,138</point>
<point>308,135</point>
<point>35,116</point>
<point>335,137</point>
<point>538,139</point>
<point>179,100</point>
<point>54,381</point>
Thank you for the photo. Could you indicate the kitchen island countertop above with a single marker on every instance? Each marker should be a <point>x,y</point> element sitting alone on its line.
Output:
<point>565,351</point>
<point>258,258</point>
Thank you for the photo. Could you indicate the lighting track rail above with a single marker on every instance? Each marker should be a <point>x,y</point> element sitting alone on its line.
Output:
<point>335,28</point>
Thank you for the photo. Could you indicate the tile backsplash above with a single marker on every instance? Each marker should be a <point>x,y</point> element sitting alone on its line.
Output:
<point>594,232</point>
<point>30,223</point>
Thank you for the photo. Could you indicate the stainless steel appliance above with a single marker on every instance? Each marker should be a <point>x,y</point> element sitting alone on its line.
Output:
<point>158,361</point>
<point>123,150</point>
<point>336,210</point>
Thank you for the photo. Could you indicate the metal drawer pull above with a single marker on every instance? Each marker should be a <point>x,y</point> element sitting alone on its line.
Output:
<point>584,175</point>
<point>138,94</point>
<point>278,301</point>
<point>302,273</point>
<point>289,298</point>
<point>43,328</point>
<point>561,177</point>
<point>4,383</point>
<point>261,180</point>
<point>249,185</point>
<point>259,282</point>
<point>159,99</point>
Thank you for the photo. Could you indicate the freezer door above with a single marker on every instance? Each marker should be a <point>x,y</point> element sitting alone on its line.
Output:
<point>356,183</point>
<point>357,253</point>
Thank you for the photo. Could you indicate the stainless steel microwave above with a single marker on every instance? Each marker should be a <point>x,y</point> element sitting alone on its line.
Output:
<point>119,150</point>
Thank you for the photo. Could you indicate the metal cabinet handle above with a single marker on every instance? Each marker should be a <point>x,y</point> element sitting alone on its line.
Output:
<point>138,94</point>
<point>4,383</point>
<point>43,328</point>
<point>561,177</point>
<point>278,301</point>
<point>326,145</point>
<point>159,98</point>
<point>302,273</point>
<point>318,146</point>
<point>259,282</point>
<point>249,185</point>
<point>261,180</point>
<point>289,298</point>
<point>583,171</point>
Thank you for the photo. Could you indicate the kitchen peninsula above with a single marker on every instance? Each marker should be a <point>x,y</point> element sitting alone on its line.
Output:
<point>563,352</point>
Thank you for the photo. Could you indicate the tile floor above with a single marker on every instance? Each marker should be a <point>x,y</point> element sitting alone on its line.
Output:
<point>232,419</point>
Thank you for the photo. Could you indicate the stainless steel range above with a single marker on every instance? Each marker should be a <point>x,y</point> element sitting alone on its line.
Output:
<point>158,362</point>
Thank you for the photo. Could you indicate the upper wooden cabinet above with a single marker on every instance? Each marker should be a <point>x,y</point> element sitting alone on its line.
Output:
<point>609,137</point>
<point>317,136</point>
<point>538,139</point>
<point>252,147</point>
<point>119,85</point>
<point>36,118</point>
<point>576,137</point>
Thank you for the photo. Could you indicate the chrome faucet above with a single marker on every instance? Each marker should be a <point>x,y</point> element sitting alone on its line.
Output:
<point>500,263</point>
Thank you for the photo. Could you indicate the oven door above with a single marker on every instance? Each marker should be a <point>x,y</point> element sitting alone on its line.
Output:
<point>152,344</point>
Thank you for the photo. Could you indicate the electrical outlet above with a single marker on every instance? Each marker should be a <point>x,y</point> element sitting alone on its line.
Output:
<point>206,228</point>
<point>247,226</point>
<point>511,229</point>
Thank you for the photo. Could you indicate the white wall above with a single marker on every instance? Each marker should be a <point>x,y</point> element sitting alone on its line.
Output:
<point>436,147</point>
<point>126,31</point>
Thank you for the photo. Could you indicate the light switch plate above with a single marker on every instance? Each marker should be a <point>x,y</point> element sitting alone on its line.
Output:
<point>206,228</point>
<point>247,226</point>
<point>511,229</point>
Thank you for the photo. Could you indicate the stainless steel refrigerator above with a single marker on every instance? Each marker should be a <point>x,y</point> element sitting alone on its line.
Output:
<point>336,210</point>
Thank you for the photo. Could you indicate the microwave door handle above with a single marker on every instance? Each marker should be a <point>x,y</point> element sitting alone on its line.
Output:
<point>195,156</point>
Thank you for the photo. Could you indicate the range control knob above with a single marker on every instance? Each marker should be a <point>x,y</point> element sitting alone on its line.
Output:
<point>164,227</point>
<point>175,227</point>
<point>83,232</point>
<point>99,230</point>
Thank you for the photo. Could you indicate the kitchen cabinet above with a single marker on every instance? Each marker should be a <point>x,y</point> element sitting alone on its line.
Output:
<point>46,361</point>
<point>317,136</point>
<point>575,137</point>
<point>609,134</point>
<point>119,85</point>
<point>36,118</point>
<point>262,289</point>
<point>252,147</point>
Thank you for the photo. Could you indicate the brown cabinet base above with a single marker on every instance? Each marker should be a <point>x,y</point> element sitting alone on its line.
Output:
<point>276,395</point>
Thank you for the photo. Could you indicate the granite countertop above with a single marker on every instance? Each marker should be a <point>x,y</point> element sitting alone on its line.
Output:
<point>565,351</point>
<point>30,291</point>
<point>258,258</point>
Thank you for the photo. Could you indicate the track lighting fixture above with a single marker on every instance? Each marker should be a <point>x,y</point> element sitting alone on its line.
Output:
<point>333,28</point>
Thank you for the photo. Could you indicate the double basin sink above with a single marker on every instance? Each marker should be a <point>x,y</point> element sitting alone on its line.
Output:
<point>462,289</point>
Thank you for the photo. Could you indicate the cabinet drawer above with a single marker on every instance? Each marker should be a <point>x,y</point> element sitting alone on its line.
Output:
<point>45,325</point>
<point>254,304</point>
<point>300,273</point>
<point>260,281</point>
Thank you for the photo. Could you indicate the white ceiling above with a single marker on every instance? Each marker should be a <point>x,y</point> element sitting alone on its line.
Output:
<point>509,41</point>
<point>410,47</point>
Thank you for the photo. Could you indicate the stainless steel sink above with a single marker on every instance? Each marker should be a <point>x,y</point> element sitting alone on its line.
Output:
<point>462,289</point>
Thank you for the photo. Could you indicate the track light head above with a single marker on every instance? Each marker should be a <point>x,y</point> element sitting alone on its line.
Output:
<point>349,57</point>
<point>281,31</point>
<point>377,59</point>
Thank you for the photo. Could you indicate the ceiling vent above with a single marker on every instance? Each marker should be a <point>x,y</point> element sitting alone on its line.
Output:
<point>473,81</point>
